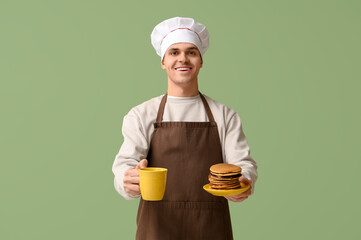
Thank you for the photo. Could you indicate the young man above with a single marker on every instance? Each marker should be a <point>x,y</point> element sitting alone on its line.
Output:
<point>185,132</point>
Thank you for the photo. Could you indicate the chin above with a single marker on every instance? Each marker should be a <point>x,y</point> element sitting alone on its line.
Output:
<point>183,81</point>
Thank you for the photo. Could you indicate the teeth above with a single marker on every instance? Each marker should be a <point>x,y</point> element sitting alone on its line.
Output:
<point>182,69</point>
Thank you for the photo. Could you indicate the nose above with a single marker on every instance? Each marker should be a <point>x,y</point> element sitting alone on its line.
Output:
<point>182,57</point>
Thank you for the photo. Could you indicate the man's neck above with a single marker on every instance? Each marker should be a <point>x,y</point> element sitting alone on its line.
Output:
<point>189,90</point>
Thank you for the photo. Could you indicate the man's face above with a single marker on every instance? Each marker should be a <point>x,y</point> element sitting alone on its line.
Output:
<point>182,61</point>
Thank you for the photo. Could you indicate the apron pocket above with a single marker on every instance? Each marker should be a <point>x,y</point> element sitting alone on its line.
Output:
<point>184,220</point>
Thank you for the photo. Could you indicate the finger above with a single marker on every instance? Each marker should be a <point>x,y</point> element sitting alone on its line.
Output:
<point>229,198</point>
<point>248,192</point>
<point>131,173</point>
<point>132,189</point>
<point>131,180</point>
<point>236,199</point>
<point>244,194</point>
<point>240,199</point>
<point>129,170</point>
<point>245,180</point>
<point>233,198</point>
<point>142,164</point>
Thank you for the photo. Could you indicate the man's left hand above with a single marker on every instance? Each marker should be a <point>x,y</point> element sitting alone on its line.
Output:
<point>242,196</point>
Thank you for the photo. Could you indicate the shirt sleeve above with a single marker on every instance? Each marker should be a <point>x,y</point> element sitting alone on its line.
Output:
<point>133,149</point>
<point>237,151</point>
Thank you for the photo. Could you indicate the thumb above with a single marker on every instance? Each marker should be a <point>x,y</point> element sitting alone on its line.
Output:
<point>142,164</point>
<point>245,180</point>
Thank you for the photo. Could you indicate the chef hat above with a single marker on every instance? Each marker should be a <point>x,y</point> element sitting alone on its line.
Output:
<point>179,29</point>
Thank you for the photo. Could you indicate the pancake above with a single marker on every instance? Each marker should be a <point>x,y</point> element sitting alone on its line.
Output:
<point>224,176</point>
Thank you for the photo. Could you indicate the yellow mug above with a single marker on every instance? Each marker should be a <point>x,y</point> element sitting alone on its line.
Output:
<point>152,181</point>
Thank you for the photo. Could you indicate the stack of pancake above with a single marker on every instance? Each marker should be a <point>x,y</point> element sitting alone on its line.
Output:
<point>224,176</point>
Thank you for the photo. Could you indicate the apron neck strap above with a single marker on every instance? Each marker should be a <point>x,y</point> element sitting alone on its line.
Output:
<point>164,100</point>
<point>161,108</point>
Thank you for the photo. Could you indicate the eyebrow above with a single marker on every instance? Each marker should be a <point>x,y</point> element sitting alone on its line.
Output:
<point>174,49</point>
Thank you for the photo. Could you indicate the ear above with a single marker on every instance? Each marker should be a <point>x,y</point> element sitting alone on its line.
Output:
<point>201,61</point>
<point>162,64</point>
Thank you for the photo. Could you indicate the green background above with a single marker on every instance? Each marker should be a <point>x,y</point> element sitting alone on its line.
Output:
<point>70,70</point>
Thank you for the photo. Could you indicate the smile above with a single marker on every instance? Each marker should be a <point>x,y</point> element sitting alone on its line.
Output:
<point>183,69</point>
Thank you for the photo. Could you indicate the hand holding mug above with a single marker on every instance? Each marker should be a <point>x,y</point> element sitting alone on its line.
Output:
<point>131,178</point>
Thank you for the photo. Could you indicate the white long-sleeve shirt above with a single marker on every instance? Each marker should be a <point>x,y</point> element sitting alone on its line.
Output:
<point>138,129</point>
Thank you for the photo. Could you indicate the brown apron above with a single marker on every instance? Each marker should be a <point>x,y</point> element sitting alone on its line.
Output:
<point>187,149</point>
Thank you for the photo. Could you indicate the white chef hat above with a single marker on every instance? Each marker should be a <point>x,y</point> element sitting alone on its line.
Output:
<point>179,29</point>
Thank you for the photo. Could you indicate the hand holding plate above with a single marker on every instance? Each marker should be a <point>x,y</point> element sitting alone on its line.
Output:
<point>242,196</point>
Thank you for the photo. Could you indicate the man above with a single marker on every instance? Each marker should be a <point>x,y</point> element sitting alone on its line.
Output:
<point>185,132</point>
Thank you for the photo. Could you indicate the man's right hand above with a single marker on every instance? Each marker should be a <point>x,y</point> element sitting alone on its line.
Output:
<point>131,178</point>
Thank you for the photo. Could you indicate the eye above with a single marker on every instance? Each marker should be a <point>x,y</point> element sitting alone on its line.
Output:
<point>173,53</point>
<point>192,53</point>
